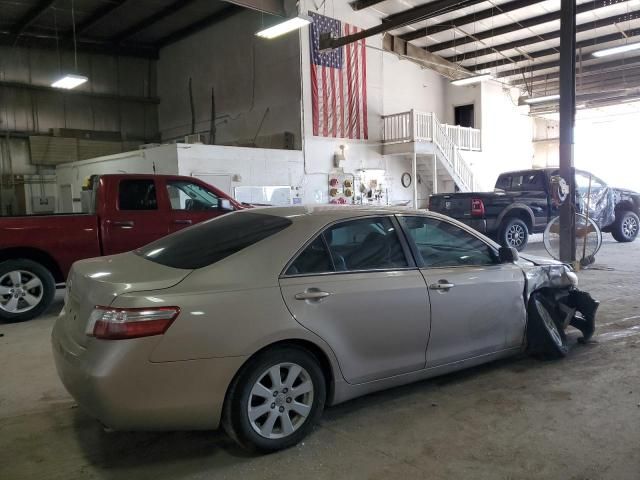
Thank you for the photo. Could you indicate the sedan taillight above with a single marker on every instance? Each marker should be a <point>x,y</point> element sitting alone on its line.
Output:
<point>120,323</point>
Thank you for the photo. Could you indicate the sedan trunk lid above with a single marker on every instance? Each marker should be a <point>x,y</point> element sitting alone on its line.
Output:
<point>98,281</point>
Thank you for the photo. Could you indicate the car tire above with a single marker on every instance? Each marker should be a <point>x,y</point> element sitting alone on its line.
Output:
<point>26,290</point>
<point>514,233</point>
<point>256,408</point>
<point>546,338</point>
<point>626,226</point>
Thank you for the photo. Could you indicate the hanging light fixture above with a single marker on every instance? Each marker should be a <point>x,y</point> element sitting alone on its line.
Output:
<point>546,98</point>
<point>620,49</point>
<point>286,26</point>
<point>471,80</point>
<point>71,80</point>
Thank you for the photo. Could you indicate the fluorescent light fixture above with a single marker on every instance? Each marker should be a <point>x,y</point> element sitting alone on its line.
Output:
<point>470,80</point>
<point>546,98</point>
<point>281,28</point>
<point>69,81</point>
<point>621,49</point>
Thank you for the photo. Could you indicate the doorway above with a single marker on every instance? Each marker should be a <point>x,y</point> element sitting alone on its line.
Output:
<point>464,116</point>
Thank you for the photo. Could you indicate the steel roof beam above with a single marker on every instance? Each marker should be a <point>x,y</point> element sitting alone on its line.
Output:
<point>31,16</point>
<point>514,27</point>
<point>474,17</point>
<point>362,4</point>
<point>632,60</point>
<point>553,50</point>
<point>583,27</point>
<point>402,19</point>
<point>201,24</point>
<point>148,21</point>
<point>96,16</point>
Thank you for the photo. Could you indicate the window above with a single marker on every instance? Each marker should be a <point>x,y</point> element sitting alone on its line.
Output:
<point>504,182</point>
<point>582,184</point>
<point>137,195</point>
<point>211,241</point>
<point>528,181</point>
<point>365,244</point>
<point>442,244</point>
<point>185,195</point>
<point>313,259</point>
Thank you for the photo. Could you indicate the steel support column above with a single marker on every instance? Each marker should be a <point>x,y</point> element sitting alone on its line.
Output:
<point>567,123</point>
<point>414,175</point>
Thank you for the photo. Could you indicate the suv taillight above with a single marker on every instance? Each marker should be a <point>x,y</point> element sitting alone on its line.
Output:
<point>477,207</point>
<point>120,323</point>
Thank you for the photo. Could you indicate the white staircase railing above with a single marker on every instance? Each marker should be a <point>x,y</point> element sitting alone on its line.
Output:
<point>415,126</point>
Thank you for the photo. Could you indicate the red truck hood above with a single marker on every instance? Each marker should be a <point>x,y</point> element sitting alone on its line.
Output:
<point>98,281</point>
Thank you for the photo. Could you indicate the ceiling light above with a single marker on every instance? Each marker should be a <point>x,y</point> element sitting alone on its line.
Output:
<point>546,98</point>
<point>470,80</point>
<point>613,50</point>
<point>281,28</point>
<point>69,81</point>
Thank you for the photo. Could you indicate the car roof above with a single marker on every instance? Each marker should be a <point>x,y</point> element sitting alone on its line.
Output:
<point>336,212</point>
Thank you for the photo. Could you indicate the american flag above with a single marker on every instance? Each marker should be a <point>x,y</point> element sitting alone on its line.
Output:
<point>338,82</point>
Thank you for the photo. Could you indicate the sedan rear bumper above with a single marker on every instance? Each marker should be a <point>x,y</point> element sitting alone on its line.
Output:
<point>114,382</point>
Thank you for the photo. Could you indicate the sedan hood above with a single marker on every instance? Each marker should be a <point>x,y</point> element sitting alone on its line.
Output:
<point>98,281</point>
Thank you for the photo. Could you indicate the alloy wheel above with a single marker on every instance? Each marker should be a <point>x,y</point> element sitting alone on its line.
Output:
<point>630,227</point>
<point>515,236</point>
<point>20,291</point>
<point>280,400</point>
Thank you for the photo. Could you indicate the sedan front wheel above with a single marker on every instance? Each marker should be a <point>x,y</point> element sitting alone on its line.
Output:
<point>275,400</point>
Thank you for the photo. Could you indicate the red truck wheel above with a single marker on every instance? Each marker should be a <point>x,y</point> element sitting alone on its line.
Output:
<point>26,290</point>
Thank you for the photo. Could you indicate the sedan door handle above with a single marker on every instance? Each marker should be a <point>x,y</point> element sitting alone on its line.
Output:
<point>312,295</point>
<point>442,285</point>
<point>183,222</point>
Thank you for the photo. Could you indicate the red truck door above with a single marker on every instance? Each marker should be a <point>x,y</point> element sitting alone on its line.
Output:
<point>191,201</point>
<point>137,217</point>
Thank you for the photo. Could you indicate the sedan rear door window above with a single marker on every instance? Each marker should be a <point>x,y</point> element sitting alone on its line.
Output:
<point>313,259</point>
<point>365,244</point>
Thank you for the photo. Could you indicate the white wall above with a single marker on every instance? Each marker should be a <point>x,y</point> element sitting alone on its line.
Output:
<point>463,95</point>
<point>393,86</point>
<point>249,74</point>
<point>254,167</point>
<point>506,135</point>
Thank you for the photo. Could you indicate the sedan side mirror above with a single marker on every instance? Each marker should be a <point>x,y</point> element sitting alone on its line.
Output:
<point>508,255</point>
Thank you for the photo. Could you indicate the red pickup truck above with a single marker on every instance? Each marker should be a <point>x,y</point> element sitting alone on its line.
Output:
<point>124,212</point>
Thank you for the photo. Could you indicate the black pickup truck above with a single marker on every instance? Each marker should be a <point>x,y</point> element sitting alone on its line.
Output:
<point>523,203</point>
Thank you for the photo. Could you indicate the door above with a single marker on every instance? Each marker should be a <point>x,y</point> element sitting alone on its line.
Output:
<point>191,203</point>
<point>136,220</point>
<point>477,304</point>
<point>529,188</point>
<point>356,288</point>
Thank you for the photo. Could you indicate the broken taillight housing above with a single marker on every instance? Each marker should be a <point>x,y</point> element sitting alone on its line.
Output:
<point>109,323</point>
<point>477,207</point>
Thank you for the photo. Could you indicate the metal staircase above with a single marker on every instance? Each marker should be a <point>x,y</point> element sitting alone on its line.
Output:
<point>435,148</point>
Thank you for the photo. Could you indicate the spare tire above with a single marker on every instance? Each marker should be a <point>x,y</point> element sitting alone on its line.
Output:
<point>545,336</point>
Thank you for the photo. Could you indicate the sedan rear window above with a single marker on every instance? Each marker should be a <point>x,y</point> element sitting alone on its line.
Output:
<point>211,241</point>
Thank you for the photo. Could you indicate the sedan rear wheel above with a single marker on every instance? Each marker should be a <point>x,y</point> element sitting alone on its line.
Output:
<point>275,400</point>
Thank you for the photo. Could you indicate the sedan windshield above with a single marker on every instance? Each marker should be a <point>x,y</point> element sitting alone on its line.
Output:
<point>211,241</point>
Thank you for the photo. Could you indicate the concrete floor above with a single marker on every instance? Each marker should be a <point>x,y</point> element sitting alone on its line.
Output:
<point>578,418</point>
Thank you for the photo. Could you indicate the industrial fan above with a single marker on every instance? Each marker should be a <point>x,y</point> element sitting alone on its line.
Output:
<point>588,239</point>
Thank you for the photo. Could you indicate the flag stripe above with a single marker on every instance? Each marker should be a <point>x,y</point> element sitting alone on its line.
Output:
<point>338,82</point>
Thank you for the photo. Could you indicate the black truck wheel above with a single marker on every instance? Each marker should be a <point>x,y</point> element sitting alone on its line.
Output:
<point>513,233</point>
<point>626,226</point>
<point>26,290</point>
